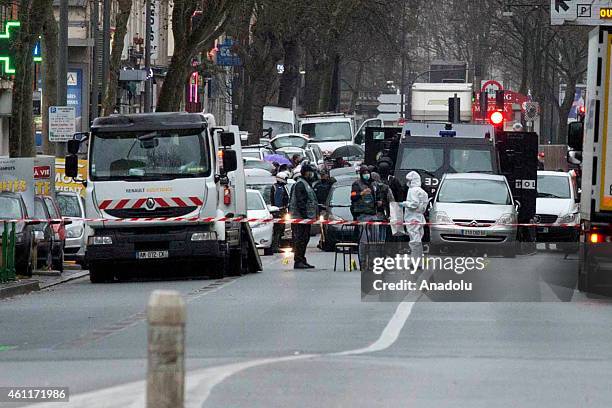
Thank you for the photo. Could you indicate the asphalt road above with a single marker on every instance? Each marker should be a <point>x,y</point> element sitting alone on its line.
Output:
<point>286,338</point>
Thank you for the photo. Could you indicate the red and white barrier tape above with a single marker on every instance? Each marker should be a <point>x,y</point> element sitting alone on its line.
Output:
<point>292,221</point>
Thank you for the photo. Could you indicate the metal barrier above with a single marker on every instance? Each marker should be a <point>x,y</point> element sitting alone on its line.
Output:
<point>7,254</point>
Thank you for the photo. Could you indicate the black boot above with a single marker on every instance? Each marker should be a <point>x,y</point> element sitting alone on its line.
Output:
<point>300,265</point>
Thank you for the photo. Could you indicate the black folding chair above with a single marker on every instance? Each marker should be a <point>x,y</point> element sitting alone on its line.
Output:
<point>347,247</point>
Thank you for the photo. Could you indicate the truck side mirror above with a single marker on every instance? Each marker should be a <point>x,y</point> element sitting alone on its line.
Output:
<point>227,139</point>
<point>73,146</point>
<point>71,165</point>
<point>575,133</point>
<point>230,160</point>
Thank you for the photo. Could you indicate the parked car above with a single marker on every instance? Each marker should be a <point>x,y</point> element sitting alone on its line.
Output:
<point>474,210</point>
<point>338,208</point>
<point>58,227</point>
<point>252,163</point>
<point>12,207</point>
<point>297,143</point>
<point>258,152</point>
<point>43,233</point>
<point>72,207</point>
<point>558,204</point>
<point>262,231</point>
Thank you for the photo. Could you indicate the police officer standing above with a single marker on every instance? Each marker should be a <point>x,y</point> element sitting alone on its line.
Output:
<point>279,198</point>
<point>302,204</point>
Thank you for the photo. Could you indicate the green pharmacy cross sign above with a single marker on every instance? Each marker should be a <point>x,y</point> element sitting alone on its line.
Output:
<point>6,50</point>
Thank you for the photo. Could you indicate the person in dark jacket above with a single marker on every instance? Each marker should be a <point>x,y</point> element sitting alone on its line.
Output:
<point>363,203</point>
<point>323,187</point>
<point>302,204</point>
<point>280,199</point>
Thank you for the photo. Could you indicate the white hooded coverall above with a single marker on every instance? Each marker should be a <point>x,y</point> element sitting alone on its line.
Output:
<point>414,208</point>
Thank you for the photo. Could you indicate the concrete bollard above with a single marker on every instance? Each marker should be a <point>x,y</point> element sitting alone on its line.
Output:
<point>166,361</point>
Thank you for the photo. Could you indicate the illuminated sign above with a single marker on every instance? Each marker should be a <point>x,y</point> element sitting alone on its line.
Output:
<point>605,13</point>
<point>6,50</point>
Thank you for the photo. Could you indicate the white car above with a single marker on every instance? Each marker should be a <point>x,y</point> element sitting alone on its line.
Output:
<point>472,209</point>
<point>557,207</point>
<point>262,231</point>
<point>72,208</point>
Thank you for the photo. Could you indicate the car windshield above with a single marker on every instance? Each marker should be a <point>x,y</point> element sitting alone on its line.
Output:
<point>69,205</point>
<point>149,155</point>
<point>422,158</point>
<point>10,208</point>
<point>277,127</point>
<point>258,164</point>
<point>474,191</point>
<point>251,153</point>
<point>340,196</point>
<point>51,208</point>
<point>553,187</point>
<point>254,201</point>
<point>471,161</point>
<point>39,210</point>
<point>328,131</point>
<point>290,141</point>
<point>264,189</point>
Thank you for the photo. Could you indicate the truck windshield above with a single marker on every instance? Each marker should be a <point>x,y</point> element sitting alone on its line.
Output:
<point>277,127</point>
<point>429,159</point>
<point>149,155</point>
<point>471,161</point>
<point>328,131</point>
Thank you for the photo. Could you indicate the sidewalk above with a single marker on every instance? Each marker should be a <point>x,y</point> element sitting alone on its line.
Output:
<point>41,280</point>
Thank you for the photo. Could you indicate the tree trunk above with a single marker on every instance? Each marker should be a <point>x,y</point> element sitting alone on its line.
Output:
<point>121,20</point>
<point>326,85</point>
<point>356,87</point>
<point>312,86</point>
<point>49,68</point>
<point>564,110</point>
<point>255,128</point>
<point>169,99</point>
<point>334,92</point>
<point>290,79</point>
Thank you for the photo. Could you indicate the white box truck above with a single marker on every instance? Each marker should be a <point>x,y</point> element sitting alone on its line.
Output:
<point>155,183</point>
<point>430,101</point>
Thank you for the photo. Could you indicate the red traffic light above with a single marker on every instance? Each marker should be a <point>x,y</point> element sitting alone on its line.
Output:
<point>581,110</point>
<point>496,118</point>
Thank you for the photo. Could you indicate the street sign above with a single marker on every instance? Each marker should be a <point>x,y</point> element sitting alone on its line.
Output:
<point>532,110</point>
<point>389,117</point>
<point>390,99</point>
<point>62,123</point>
<point>389,108</point>
<point>226,56</point>
<point>581,12</point>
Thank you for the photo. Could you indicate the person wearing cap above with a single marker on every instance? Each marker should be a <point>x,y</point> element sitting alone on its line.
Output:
<point>279,198</point>
<point>302,204</point>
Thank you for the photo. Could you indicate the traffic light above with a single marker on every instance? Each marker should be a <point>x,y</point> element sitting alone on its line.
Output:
<point>496,118</point>
<point>484,105</point>
<point>499,99</point>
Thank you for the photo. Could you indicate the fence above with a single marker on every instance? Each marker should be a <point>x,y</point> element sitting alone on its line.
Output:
<point>7,253</point>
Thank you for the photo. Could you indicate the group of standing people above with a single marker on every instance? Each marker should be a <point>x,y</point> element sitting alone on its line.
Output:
<point>372,196</point>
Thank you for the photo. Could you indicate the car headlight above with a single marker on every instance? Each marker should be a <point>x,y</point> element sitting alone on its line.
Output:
<point>440,217</point>
<point>100,241</point>
<point>507,219</point>
<point>567,218</point>
<point>74,232</point>
<point>204,236</point>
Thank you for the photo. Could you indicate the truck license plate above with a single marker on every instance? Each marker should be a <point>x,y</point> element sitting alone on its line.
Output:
<point>152,254</point>
<point>474,233</point>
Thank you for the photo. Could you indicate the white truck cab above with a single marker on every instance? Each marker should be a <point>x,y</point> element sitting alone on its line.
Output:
<point>156,184</point>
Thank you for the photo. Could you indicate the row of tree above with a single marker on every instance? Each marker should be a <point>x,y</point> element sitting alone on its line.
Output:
<point>325,46</point>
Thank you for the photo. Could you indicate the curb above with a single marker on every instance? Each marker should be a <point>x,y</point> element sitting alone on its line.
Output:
<point>19,288</point>
<point>68,278</point>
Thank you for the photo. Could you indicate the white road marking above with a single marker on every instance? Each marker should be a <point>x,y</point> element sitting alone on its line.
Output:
<point>200,383</point>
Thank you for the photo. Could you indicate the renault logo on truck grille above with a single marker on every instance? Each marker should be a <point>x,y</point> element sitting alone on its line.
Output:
<point>150,203</point>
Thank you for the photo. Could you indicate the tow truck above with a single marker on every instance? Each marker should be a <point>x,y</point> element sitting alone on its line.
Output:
<point>158,188</point>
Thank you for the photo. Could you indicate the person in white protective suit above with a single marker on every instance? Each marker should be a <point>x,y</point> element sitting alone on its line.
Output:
<point>414,208</point>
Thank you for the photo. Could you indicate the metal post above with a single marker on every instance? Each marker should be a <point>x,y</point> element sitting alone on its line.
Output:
<point>166,350</point>
<point>403,68</point>
<point>95,85</point>
<point>62,72</point>
<point>3,277</point>
<point>105,45</point>
<point>10,261</point>
<point>148,91</point>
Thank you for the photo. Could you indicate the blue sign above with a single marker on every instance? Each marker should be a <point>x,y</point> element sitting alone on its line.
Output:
<point>37,53</point>
<point>75,92</point>
<point>226,56</point>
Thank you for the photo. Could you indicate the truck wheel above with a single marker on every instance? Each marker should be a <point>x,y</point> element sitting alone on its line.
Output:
<point>97,274</point>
